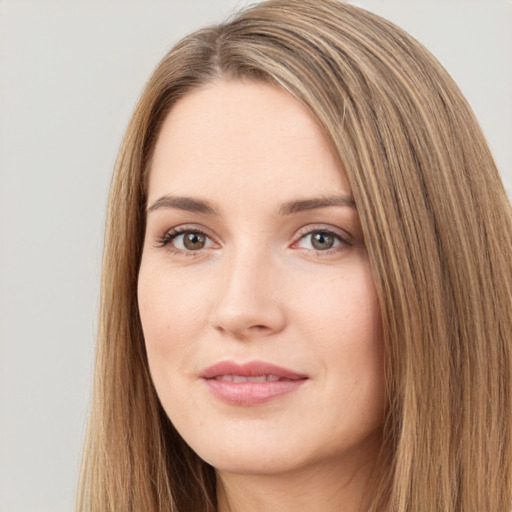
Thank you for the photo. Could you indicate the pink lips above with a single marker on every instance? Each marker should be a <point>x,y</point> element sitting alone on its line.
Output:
<point>250,383</point>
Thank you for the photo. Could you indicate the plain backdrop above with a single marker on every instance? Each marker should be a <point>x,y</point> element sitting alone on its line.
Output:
<point>70,73</point>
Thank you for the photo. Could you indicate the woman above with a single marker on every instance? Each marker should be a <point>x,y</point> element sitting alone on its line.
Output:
<point>306,298</point>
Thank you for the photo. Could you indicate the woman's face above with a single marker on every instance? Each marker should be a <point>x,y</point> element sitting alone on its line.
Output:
<point>258,307</point>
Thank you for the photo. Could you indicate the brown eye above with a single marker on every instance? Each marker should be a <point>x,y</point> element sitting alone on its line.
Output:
<point>322,241</point>
<point>186,241</point>
<point>194,241</point>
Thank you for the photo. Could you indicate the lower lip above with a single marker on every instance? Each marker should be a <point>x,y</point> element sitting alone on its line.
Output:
<point>251,393</point>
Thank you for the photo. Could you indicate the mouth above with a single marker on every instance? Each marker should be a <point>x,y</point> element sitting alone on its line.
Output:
<point>243,378</point>
<point>251,383</point>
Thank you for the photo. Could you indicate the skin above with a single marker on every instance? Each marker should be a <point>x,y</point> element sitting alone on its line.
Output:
<point>260,288</point>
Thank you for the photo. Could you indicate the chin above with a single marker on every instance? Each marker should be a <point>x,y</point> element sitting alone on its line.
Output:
<point>271,454</point>
<point>253,462</point>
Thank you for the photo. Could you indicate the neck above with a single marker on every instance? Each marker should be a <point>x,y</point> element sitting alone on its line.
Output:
<point>332,486</point>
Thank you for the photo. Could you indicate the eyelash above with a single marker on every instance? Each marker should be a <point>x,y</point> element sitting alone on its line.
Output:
<point>167,239</point>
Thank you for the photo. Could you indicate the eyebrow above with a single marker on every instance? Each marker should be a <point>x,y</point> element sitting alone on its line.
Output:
<point>314,203</point>
<point>190,204</point>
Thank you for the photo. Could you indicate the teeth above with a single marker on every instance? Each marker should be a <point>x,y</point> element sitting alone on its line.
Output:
<point>243,378</point>
<point>261,378</point>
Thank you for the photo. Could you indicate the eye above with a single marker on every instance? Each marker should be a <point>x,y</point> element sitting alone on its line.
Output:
<point>192,241</point>
<point>321,240</point>
<point>185,240</point>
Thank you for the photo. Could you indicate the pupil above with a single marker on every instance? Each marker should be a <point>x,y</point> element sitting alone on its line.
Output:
<point>194,241</point>
<point>322,241</point>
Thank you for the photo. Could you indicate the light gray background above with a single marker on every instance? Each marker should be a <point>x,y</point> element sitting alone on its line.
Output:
<point>70,73</point>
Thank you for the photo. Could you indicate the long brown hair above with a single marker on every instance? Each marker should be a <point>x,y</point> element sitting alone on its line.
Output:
<point>437,225</point>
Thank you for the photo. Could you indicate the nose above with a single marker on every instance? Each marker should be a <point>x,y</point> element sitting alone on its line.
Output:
<point>250,302</point>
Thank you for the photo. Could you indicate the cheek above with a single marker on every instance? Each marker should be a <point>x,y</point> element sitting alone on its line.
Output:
<point>171,313</point>
<point>343,317</point>
<point>344,312</point>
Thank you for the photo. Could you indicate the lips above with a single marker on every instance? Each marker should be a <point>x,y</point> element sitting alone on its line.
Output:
<point>251,383</point>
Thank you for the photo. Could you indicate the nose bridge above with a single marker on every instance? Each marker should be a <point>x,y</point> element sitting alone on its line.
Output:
<point>249,301</point>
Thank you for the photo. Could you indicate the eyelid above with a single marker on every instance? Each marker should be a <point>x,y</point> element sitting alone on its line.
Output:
<point>327,228</point>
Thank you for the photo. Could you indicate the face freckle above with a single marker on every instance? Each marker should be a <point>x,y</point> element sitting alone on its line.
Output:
<point>260,316</point>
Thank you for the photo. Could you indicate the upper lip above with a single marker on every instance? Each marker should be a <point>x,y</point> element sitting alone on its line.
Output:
<point>250,369</point>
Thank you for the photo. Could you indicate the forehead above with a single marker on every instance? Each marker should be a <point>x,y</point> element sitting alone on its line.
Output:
<point>246,137</point>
